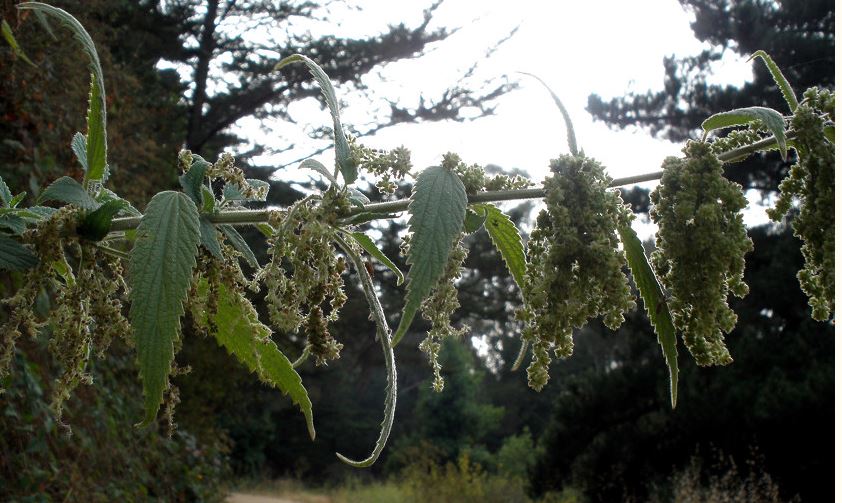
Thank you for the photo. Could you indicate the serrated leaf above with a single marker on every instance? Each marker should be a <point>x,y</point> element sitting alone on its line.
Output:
<point>161,269</point>
<point>780,80</point>
<point>506,238</point>
<point>568,123</point>
<point>67,190</point>
<point>372,249</point>
<point>234,317</point>
<point>474,220</point>
<point>210,238</point>
<point>437,215</point>
<point>232,193</point>
<point>771,119</point>
<point>14,256</point>
<point>357,197</point>
<point>13,43</point>
<point>5,193</point>
<point>343,150</point>
<point>193,181</point>
<point>654,301</point>
<point>17,200</point>
<point>13,222</point>
<point>34,213</point>
<point>106,195</point>
<point>208,200</point>
<point>240,244</point>
<point>96,140</point>
<point>96,224</point>
<point>318,168</point>
<point>79,145</point>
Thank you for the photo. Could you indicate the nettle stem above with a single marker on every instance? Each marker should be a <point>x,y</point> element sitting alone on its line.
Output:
<point>246,217</point>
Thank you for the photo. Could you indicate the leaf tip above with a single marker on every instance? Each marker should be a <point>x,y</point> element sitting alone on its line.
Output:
<point>356,464</point>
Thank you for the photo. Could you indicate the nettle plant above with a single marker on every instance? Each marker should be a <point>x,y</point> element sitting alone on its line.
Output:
<point>184,254</point>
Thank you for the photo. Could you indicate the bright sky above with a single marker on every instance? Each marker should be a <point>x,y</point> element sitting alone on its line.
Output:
<point>606,47</point>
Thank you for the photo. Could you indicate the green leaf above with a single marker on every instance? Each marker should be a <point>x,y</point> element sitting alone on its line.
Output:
<point>106,195</point>
<point>437,215</point>
<point>830,134</point>
<point>14,256</point>
<point>232,193</point>
<point>67,190</point>
<point>474,220</point>
<point>208,200</point>
<point>34,213</point>
<point>771,119</point>
<point>96,224</point>
<point>654,301</point>
<point>13,223</point>
<point>568,123</point>
<point>506,238</point>
<point>343,150</point>
<point>96,141</point>
<point>240,244</point>
<point>193,181</point>
<point>17,199</point>
<point>265,229</point>
<point>79,145</point>
<point>783,84</point>
<point>318,168</point>
<point>388,355</point>
<point>357,198</point>
<point>10,39</point>
<point>209,237</point>
<point>161,269</point>
<point>5,193</point>
<point>236,322</point>
<point>63,269</point>
<point>369,246</point>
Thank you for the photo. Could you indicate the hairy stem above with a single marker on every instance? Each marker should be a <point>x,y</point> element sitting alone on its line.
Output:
<point>384,334</point>
<point>246,217</point>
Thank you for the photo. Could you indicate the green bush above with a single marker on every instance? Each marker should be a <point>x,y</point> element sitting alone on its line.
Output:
<point>105,458</point>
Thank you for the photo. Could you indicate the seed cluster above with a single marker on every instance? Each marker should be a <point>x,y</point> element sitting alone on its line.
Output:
<point>224,169</point>
<point>391,166</point>
<point>439,307</point>
<point>811,183</point>
<point>700,249</point>
<point>88,310</point>
<point>305,273</point>
<point>574,269</point>
<point>475,178</point>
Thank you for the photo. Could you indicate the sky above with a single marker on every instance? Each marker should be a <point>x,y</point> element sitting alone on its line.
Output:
<point>578,48</point>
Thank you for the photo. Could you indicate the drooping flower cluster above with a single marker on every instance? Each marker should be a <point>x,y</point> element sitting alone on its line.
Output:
<point>439,307</point>
<point>574,269</point>
<point>87,317</point>
<point>305,273</point>
<point>87,307</point>
<point>700,249</point>
<point>811,183</point>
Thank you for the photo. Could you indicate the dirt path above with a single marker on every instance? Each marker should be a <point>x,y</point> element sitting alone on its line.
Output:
<point>251,498</point>
<point>255,498</point>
